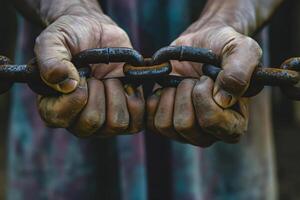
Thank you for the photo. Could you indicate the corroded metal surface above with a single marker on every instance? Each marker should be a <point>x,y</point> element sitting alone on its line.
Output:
<point>139,70</point>
<point>5,84</point>
<point>291,91</point>
<point>108,55</point>
<point>148,70</point>
<point>275,76</point>
<point>185,53</point>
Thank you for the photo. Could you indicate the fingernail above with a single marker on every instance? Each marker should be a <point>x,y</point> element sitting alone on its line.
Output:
<point>222,98</point>
<point>129,89</point>
<point>68,85</point>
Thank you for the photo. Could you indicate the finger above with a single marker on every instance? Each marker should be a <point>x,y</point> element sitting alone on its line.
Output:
<point>136,108</point>
<point>239,59</point>
<point>184,116</point>
<point>92,116</point>
<point>163,120</point>
<point>225,124</point>
<point>117,115</point>
<point>60,111</point>
<point>152,104</point>
<point>54,59</point>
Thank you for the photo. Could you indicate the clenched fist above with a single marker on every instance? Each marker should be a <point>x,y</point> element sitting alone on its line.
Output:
<point>201,111</point>
<point>87,106</point>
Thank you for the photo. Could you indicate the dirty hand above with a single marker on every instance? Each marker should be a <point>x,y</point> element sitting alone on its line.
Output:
<point>87,106</point>
<point>201,111</point>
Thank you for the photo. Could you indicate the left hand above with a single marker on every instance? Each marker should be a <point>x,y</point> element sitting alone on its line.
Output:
<point>201,112</point>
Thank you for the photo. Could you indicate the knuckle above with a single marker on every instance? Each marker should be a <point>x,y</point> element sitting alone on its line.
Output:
<point>79,97</point>
<point>209,121</point>
<point>256,49</point>
<point>183,126</point>
<point>161,125</point>
<point>114,35</point>
<point>118,127</point>
<point>252,47</point>
<point>252,44</point>
<point>235,77</point>
<point>41,38</point>
<point>119,123</point>
<point>120,33</point>
<point>59,115</point>
<point>38,41</point>
<point>44,37</point>
<point>198,91</point>
<point>185,40</point>
<point>52,118</point>
<point>91,123</point>
<point>234,82</point>
<point>228,131</point>
<point>186,83</point>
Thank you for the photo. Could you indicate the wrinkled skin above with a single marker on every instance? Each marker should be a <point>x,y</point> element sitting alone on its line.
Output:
<point>106,109</point>
<point>202,111</point>
<point>198,112</point>
<point>216,107</point>
<point>88,107</point>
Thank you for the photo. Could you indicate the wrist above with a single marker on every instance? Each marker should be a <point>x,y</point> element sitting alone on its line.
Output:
<point>241,15</point>
<point>50,11</point>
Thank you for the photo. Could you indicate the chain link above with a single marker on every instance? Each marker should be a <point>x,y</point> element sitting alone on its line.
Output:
<point>139,71</point>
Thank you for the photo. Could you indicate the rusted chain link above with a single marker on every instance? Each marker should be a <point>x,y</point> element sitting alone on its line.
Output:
<point>138,70</point>
<point>291,91</point>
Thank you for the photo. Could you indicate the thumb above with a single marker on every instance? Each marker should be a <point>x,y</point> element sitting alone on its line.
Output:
<point>238,63</point>
<point>54,60</point>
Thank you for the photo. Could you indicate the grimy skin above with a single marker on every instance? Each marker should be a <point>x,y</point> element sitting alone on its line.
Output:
<point>106,108</point>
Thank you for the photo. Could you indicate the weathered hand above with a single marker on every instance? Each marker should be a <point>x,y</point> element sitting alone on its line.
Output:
<point>87,107</point>
<point>202,111</point>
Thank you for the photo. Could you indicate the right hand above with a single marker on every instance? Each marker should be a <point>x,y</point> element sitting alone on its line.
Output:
<point>86,107</point>
<point>202,112</point>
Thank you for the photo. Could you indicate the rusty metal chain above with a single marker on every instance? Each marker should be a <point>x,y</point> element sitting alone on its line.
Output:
<point>139,70</point>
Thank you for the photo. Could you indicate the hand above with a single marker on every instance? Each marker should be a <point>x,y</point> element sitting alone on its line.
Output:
<point>202,111</point>
<point>87,107</point>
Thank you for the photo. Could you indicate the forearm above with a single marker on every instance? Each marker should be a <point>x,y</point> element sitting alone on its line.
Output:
<point>245,16</point>
<point>47,11</point>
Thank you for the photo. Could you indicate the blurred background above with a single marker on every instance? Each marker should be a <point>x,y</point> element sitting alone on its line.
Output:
<point>284,41</point>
